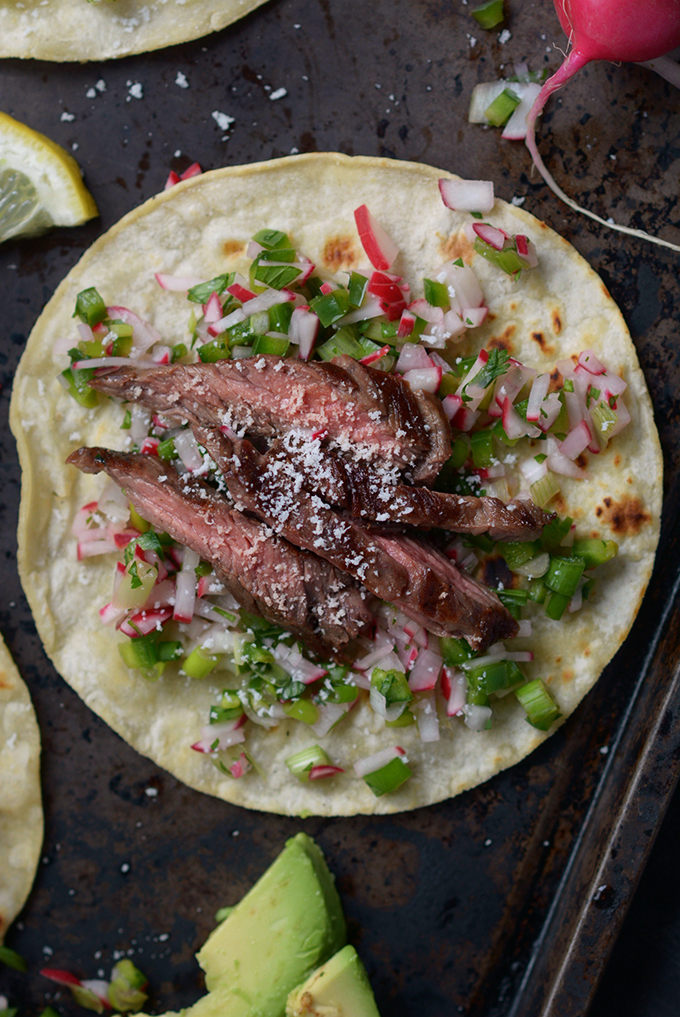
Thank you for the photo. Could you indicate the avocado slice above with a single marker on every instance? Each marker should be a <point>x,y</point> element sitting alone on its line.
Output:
<point>286,925</point>
<point>339,988</point>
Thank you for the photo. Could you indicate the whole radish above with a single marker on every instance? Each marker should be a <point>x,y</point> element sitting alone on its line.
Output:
<point>633,31</point>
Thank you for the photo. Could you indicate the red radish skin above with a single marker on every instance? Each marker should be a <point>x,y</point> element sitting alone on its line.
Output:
<point>637,31</point>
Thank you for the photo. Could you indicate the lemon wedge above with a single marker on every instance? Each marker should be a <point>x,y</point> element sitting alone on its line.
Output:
<point>40,183</point>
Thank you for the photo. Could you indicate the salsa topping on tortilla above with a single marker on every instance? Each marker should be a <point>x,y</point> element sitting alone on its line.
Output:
<point>321,500</point>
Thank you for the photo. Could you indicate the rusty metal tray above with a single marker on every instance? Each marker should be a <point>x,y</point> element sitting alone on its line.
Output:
<point>507,900</point>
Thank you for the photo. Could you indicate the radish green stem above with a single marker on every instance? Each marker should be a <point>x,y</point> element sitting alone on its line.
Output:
<point>574,62</point>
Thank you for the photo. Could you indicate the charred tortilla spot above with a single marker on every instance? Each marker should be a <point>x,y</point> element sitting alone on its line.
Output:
<point>559,504</point>
<point>555,381</point>
<point>606,292</point>
<point>556,322</point>
<point>503,342</point>
<point>567,676</point>
<point>626,517</point>
<point>338,253</point>
<point>542,343</point>
<point>5,680</point>
<point>617,459</point>
<point>598,511</point>
<point>457,246</point>
<point>495,572</point>
<point>581,461</point>
<point>230,247</point>
<point>513,306</point>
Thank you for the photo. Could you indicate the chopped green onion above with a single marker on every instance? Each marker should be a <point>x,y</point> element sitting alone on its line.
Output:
<point>272,239</point>
<point>342,692</point>
<point>49,1011</point>
<point>223,913</point>
<point>405,719</point>
<point>544,490</point>
<point>78,386</point>
<point>229,708</point>
<point>489,14</point>
<point>122,346</point>
<point>482,448</point>
<point>90,307</point>
<point>455,651</point>
<point>179,350</point>
<point>542,710</point>
<point>202,293</point>
<point>493,677</point>
<point>214,350</point>
<point>555,532</point>
<point>200,662</point>
<point>388,778</point>
<point>300,763</point>
<point>594,552</point>
<point>127,421</point>
<point>514,600</point>
<point>436,293</point>
<point>277,276</point>
<point>125,990</point>
<point>140,524</point>
<point>392,685</point>
<point>501,109</point>
<point>302,709</point>
<point>603,418</point>
<point>537,591</point>
<point>508,260</point>
<point>140,652</point>
<point>343,342</point>
<point>516,553</point>
<point>11,959</point>
<point>357,289</point>
<point>330,307</point>
<point>166,449</point>
<point>279,317</point>
<point>564,574</point>
<point>449,384</point>
<point>275,345</point>
<point>170,649</point>
<point>556,604</point>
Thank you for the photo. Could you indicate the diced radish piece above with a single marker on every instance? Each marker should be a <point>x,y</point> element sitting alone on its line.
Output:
<point>173,178</point>
<point>212,311</point>
<point>371,358</point>
<point>406,323</point>
<point>533,471</point>
<point>161,355</point>
<point>490,235</point>
<point>591,363</point>
<point>329,715</point>
<point>144,622</point>
<point>473,317</point>
<point>225,735</point>
<point>454,689</point>
<point>558,463</point>
<point>262,302</point>
<point>240,767</point>
<point>149,446</point>
<point>425,379</point>
<point>192,171</point>
<point>623,418</point>
<point>370,764</point>
<point>320,772</point>
<point>380,249</point>
<point>91,548</point>
<point>186,447</point>
<point>476,717</point>
<point>412,357</point>
<point>576,441</point>
<point>241,293</point>
<point>526,249</point>
<point>611,384</point>
<point>513,425</point>
<point>516,127</point>
<point>326,288</point>
<point>550,411</point>
<point>539,391</point>
<point>425,671</point>
<point>304,328</point>
<point>177,283</point>
<point>185,595</point>
<point>371,308</point>
<point>467,195</point>
<point>143,334</point>
<point>425,709</point>
<point>373,658</point>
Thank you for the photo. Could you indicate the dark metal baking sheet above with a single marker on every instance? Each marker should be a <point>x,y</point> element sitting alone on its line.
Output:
<point>507,899</point>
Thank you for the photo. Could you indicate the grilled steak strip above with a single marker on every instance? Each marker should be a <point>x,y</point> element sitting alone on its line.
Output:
<point>375,415</point>
<point>379,497</point>
<point>265,573</point>
<point>410,574</point>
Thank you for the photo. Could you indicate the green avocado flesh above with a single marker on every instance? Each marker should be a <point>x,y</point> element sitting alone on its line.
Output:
<point>339,988</point>
<point>289,923</point>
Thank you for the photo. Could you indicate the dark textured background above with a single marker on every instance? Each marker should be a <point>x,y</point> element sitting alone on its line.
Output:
<point>444,903</point>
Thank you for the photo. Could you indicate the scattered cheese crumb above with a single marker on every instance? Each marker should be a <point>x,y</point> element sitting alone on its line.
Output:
<point>222,120</point>
<point>181,80</point>
<point>68,116</point>
<point>279,93</point>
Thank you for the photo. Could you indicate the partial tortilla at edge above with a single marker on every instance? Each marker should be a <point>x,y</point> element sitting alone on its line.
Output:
<point>103,29</point>
<point>21,817</point>
<point>201,228</point>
